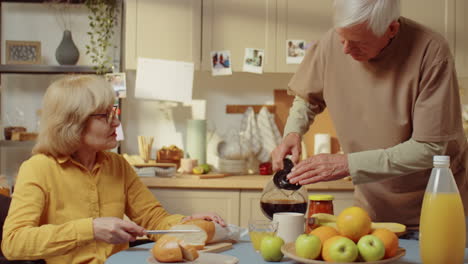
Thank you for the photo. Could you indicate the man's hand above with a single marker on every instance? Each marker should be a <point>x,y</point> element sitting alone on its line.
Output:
<point>114,230</point>
<point>291,144</point>
<point>322,167</point>
<point>206,216</point>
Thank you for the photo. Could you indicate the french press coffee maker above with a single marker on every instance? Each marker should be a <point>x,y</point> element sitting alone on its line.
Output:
<point>281,196</point>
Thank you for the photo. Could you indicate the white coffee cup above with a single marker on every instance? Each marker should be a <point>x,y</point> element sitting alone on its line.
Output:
<point>290,225</point>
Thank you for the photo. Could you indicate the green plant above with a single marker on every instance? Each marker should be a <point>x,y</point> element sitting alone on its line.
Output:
<point>102,20</point>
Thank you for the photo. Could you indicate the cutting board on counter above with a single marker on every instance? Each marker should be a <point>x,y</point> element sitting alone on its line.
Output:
<point>322,123</point>
<point>217,247</point>
<point>202,176</point>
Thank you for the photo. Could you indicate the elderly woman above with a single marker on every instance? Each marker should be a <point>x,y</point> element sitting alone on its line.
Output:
<point>71,195</point>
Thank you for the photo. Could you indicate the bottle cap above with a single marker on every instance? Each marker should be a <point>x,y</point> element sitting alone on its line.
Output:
<point>441,159</point>
<point>321,197</point>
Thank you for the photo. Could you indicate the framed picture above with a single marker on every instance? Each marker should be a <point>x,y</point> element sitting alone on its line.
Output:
<point>23,52</point>
<point>117,80</point>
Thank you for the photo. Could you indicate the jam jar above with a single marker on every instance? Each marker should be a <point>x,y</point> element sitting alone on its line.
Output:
<point>318,203</point>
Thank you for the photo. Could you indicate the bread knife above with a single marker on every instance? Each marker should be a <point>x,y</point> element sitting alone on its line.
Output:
<point>158,232</point>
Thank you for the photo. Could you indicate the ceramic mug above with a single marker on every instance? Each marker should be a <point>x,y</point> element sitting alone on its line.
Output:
<point>290,225</point>
<point>187,165</point>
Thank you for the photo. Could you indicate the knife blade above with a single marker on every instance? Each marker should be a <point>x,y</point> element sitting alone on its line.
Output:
<point>157,232</point>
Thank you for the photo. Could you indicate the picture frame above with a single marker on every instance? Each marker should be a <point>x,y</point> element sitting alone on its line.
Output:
<point>118,82</point>
<point>23,52</point>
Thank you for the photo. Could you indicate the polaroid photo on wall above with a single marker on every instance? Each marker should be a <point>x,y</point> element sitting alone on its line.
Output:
<point>117,80</point>
<point>295,51</point>
<point>254,60</point>
<point>221,63</point>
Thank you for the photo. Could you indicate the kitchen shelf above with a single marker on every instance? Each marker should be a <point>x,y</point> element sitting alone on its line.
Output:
<point>44,1</point>
<point>14,143</point>
<point>45,69</point>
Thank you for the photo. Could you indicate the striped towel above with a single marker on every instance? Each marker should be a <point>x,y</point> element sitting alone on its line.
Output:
<point>249,134</point>
<point>270,136</point>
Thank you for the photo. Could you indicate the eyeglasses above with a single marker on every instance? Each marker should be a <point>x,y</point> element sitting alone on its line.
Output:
<point>109,115</point>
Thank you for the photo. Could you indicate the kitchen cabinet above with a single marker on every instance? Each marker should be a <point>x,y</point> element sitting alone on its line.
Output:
<point>162,29</point>
<point>250,204</point>
<point>238,24</point>
<point>186,202</point>
<point>235,206</point>
<point>305,20</point>
<point>236,198</point>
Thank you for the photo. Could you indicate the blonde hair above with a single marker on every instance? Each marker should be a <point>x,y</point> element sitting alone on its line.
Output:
<point>379,14</point>
<point>66,107</point>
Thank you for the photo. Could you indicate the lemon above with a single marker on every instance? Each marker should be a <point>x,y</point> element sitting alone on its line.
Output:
<point>198,170</point>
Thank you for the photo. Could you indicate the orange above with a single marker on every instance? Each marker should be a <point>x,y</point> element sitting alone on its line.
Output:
<point>353,223</point>
<point>389,239</point>
<point>324,233</point>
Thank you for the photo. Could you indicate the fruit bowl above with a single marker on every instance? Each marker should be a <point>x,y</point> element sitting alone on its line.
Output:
<point>289,250</point>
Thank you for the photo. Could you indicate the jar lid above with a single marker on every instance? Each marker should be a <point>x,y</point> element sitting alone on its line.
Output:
<point>321,197</point>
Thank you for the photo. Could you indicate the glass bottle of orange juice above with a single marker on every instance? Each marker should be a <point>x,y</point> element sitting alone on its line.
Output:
<point>442,225</point>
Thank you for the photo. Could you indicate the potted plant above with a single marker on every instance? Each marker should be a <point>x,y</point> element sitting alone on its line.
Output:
<point>102,21</point>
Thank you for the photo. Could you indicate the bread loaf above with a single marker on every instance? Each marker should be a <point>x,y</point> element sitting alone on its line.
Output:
<point>172,249</point>
<point>189,252</point>
<point>197,240</point>
<point>167,249</point>
<point>208,226</point>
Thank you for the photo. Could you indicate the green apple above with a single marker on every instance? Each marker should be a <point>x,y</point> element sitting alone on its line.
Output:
<point>343,250</point>
<point>270,248</point>
<point>371,248</point>
<point>308,246</point>
<point>206,168</point>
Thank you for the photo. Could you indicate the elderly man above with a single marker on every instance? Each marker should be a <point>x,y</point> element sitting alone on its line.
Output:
<point>391,89</point>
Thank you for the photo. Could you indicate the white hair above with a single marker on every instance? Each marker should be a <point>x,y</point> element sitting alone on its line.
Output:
<point>379,14</point>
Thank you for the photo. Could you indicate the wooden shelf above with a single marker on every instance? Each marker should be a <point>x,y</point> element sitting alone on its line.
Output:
<point>240,109</point>
<point>45,69</point>
<point>44,1</point>
<point>13,143</point>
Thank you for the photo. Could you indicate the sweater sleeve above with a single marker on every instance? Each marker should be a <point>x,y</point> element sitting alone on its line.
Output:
<point>405,158</point>
<point>142,206</point>
<point>301,116</point>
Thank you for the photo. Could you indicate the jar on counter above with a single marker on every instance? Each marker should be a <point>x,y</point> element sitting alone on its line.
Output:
<point>318,203</point>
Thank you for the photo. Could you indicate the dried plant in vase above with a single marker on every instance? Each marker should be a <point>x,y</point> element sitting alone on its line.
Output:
<point>66,53</point>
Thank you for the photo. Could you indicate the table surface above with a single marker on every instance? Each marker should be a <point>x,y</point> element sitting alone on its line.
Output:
<point>243,250</point>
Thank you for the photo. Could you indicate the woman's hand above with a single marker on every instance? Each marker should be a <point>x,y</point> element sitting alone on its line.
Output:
<point>321,167</point>
<point>114,230</point>
<point>206,216</point>
<point>291,144</point>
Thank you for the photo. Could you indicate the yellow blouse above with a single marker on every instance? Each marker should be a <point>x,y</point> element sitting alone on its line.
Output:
<point>56,200</point>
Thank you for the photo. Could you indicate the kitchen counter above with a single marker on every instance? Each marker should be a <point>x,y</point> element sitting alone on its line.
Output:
<point>239,182</point>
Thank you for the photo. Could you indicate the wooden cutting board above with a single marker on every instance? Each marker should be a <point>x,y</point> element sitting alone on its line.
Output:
<point>322,123</point>
<point>203,176</point>
<point>217,247</point>
<point>155,164</point>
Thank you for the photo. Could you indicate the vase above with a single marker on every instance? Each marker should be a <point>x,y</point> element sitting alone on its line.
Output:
<point>67,53</point>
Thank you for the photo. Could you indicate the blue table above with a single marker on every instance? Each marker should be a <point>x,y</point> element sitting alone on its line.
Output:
<point>243,250</point>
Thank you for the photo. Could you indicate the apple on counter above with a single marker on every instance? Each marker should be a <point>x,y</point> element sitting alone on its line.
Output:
<point>308,246</point>
<point>270,248</point>
<point>371,248</point>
